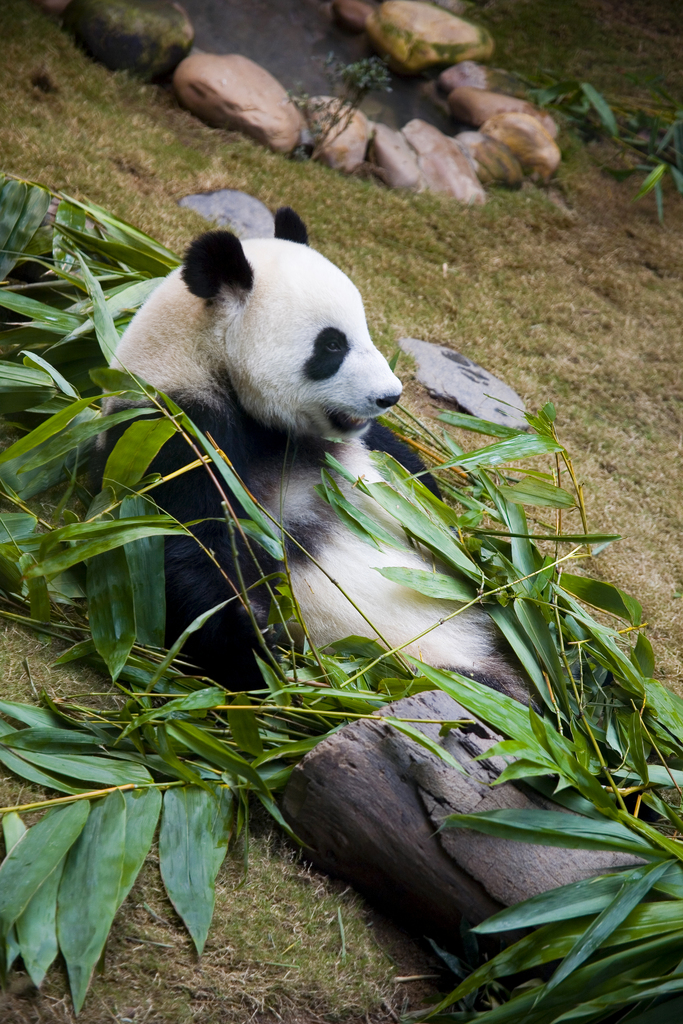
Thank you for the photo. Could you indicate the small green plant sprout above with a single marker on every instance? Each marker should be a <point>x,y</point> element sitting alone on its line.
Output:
<point>351,83</point>
<point>650,136</point>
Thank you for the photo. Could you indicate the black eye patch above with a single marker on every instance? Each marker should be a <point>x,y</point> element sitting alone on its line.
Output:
<point>329,351</point>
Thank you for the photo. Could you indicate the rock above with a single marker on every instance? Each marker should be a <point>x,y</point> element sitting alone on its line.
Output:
<point>343,150</point>
<point>147,38</point>
<point>413,36</point>
<point>445,167</point>
<point>448,375</point>
<point>51,6</point>
<point>398,160</point>
<point>454,6</point>
<point>474,106</point>
<point>247,216</point>
<point>493,160</point>
<point>528,140</point>
<point>477,76</point>
<point>232,91</point>
<point>351,14</point>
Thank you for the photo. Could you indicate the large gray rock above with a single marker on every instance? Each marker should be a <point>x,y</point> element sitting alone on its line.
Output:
<point>448,375</point>
<point>444,166</point>
<point>146,38</point>
<point>247,216</point>
<point>397,159</point>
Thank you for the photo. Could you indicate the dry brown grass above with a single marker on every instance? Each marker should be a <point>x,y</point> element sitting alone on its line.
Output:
<point>572,296</point>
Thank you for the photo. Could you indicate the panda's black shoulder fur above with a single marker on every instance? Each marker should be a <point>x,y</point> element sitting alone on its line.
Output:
<point>224,647</point>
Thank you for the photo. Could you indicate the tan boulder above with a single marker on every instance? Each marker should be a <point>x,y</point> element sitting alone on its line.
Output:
<point>474,106</point>
<point>391,152</point>
<point>232,91</point>
<point>478,76</point>
<point>444,165</point>
<point>351,14</point>
<point>493,160</point>
<point>413,36</point>
<point>528,140</point>
<point>344,147</point>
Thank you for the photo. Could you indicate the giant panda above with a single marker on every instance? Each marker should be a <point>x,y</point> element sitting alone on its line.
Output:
<point>264,344</point>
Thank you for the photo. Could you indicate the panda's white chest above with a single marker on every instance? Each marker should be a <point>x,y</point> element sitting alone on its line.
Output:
<point>341,593</point>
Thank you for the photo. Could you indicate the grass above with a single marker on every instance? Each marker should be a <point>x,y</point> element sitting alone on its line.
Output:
<point>571,295</point>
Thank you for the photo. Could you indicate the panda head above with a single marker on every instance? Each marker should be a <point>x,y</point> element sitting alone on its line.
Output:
<point>283,324</point>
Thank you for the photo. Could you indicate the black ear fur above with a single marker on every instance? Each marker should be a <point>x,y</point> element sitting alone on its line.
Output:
<point>216,260</point>
<point>289,226</point>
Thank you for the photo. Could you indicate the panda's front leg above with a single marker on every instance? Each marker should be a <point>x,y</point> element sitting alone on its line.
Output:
<point>224,648</point>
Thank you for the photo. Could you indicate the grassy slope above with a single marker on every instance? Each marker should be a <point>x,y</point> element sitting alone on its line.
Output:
<point>576,300</point>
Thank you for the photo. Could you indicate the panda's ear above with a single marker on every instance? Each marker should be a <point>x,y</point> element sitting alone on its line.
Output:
<point>216,260</point>
<point>289,226</point>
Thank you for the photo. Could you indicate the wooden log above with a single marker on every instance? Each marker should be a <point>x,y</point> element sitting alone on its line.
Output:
<point>368,801</point>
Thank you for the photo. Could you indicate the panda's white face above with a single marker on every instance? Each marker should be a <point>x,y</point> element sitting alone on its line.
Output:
<point>286,326</point>
<point>300,354</point>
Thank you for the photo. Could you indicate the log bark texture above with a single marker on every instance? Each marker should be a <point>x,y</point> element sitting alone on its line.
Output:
<point>368,800</point>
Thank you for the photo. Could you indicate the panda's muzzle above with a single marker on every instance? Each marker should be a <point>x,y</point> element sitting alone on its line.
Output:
<point>345,423</point>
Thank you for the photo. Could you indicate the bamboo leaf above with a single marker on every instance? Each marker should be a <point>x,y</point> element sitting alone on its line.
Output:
<point>603,595</point>
<point>601,107</point>
<point>37,927</point>
<point>35,856</point>
<point>79,433</point>
<point>111,611</point>
<point>133,452</point>
<point>145,558</point>
<point>46,430</point>
<point>537,492</point>
<point>634,888</point>
<point>143,807</point>
<point>195,829</point>
<point>49,318</point>
<point>244,729</point>
<point>478,426</point>
<point>89,890</point>
<point>107,335</point>
<point>554,828</point>
<point>33,209</point>
<point>433,584</point>
<point>521,446</point>
<point>215,752</point>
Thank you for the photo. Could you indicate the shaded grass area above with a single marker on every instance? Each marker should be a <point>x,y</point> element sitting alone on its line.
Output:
<point>571,295</point>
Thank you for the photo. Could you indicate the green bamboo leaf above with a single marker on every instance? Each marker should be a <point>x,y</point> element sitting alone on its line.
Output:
<point>536,628</point>
<point>635,887</point>
<point>515,634</point>
<point>111,611</point>
<point>643,657</point>
<point>652,180</point>
<point>427,742</point>
<point>578,899</point>
<point>173,765</point>
<point>79,433</point>
<point>32,359</point>
<point>195,830</point>
<point>25,770</point>
<point>47,429</point>
<point>50,318</point>
<point>433,584</point>
<point>145,558</point>
<point>37,927</point>
<point>215,752</point>
<point>134,450</point>
<point>473,423</point>
<point>207,697</point>
<point>418,523</point>
<point>244,728</point>
<point>35,856</point>
<point>537,492</point>
<point>29,714</point>
<point>24,228</point>
<point>97,538</point>
<point>142,814</point>
<point>601,107</point>
<point>554,828</point>
<point>521,446</point>
<point>12,199</point>
<point>22,387</point>
<point>13,829</point>
<point>50,740</point>
<point>104,771</point>
<point>636,748</point>
<point>670,1012</point>
<point>89,891</point>
<point>137,259</point>
<point>123,230</point>
<point>603,595</point>
<point>107,335</point>
<point>503,713</point>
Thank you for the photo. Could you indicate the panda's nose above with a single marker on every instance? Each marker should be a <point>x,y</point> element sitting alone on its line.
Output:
<point>387,401</point>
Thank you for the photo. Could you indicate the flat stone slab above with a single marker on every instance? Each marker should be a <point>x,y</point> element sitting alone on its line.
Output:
<point>451,376</point>
<point>247,216</point>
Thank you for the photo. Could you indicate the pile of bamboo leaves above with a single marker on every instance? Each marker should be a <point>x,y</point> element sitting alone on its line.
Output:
<point>176,756</point>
